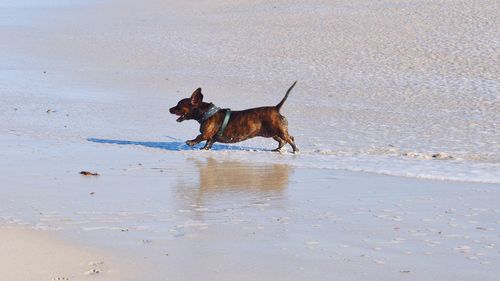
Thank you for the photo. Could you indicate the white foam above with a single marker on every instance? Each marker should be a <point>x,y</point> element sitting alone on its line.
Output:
<point>425,166</point>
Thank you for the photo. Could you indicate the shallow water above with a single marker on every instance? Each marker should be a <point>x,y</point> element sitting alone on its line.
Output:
<point>420,101</point>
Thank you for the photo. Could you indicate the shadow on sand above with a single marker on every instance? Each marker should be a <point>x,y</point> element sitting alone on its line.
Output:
<point>173,145</point>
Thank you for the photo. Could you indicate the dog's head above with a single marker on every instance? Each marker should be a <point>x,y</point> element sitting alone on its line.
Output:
<point>188,108</point>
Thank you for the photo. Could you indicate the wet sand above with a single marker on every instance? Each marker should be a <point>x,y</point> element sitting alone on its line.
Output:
<point>174,211</point>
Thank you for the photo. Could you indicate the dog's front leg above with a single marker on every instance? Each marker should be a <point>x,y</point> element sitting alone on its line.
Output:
<point>208,145</point>
<point>197,140</point>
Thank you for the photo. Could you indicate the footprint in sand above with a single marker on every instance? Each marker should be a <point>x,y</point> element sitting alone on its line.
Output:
<point>93,271</point>
<point>60,279</point>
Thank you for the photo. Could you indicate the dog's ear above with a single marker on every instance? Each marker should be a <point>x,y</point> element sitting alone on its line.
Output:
<point>196,97</point>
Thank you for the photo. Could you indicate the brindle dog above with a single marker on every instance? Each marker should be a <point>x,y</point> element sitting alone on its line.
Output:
<point>216,125</point>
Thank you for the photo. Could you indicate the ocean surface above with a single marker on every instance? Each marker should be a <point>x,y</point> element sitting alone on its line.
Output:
<point>413,93</point>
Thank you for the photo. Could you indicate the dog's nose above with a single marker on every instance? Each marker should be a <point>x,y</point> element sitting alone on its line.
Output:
<point>172,110</point>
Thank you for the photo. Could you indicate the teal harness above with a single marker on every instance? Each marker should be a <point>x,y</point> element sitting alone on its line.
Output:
<point>211,112</point>
<point>224,123</point>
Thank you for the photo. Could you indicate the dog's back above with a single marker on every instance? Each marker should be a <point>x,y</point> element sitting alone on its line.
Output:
<point>264,121</point>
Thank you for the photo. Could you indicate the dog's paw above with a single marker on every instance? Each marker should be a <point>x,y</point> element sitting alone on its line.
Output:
<point>190,143</point>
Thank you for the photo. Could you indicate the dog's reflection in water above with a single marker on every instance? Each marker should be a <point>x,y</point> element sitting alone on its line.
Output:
<point>218,184</point>
<point>227,176</point>
<point>217,189</point>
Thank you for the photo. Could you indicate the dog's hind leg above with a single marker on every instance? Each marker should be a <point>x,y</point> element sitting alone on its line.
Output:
<point>281,143</point>
<point>289,139</point>
<point>282,134</point>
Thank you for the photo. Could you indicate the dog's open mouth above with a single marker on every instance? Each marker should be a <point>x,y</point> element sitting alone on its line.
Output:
<point>181,118</point>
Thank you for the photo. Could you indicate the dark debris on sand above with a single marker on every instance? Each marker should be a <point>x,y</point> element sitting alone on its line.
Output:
<point>87,173</point>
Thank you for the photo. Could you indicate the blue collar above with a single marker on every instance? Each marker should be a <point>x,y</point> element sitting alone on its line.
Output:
<point>211,111</point>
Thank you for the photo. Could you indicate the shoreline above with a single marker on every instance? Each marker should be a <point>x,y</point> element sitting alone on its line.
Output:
<point>169,212</point>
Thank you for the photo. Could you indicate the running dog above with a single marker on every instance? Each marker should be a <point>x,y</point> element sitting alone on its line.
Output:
<point>226,126</point>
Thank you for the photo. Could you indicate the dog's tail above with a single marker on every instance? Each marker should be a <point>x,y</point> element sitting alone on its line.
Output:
<point>279,105</point>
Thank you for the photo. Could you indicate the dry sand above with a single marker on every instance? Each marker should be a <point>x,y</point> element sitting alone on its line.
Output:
<point>27,255</point>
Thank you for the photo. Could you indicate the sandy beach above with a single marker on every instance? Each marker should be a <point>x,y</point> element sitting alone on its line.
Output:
<point>396,113</point>
<point>27,254</point>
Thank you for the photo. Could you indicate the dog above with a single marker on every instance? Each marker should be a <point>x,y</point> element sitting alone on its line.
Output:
<point>226,126</point>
